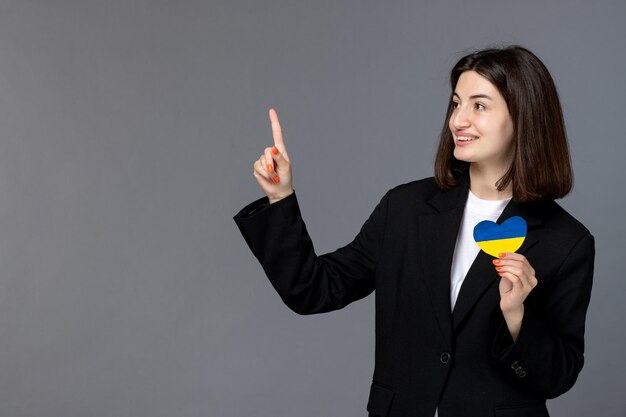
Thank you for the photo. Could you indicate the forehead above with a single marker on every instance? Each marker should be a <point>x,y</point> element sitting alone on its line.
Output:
<point>471,83</point>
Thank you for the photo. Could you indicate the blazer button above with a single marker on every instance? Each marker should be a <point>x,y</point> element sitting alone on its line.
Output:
<point>445,358</point>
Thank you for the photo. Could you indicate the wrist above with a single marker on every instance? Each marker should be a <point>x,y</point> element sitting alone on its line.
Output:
<point>514,313</point>
<point>513,320</point>
<point>275,199</point>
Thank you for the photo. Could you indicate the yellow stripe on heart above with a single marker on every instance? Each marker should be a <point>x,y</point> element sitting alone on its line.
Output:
<point>494,247</point>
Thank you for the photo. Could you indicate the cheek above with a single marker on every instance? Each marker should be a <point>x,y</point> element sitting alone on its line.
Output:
<point>504,130</point>
<point>507,132</point>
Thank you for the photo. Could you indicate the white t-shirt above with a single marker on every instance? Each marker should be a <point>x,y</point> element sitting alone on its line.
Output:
<point>466,249</point>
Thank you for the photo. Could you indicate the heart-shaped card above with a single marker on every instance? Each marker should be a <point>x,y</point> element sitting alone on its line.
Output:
<point>496,238</point>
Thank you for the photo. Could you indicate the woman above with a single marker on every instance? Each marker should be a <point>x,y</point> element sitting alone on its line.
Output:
<point>458,332</point>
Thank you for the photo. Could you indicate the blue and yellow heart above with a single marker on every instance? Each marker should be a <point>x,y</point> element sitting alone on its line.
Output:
<point>496,238</point>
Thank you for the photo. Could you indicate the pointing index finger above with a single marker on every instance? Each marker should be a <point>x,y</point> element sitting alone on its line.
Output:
<point>277,132</point>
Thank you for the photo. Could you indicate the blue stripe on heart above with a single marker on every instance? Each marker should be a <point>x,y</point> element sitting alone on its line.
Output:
<point>513,227</point>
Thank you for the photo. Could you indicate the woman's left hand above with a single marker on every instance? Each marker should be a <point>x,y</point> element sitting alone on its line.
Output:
<point>518,280</point>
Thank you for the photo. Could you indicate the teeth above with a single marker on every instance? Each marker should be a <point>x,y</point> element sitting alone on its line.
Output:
<point>466,138</point>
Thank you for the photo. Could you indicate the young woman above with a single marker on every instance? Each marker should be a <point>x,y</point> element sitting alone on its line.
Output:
<point>458,332</point>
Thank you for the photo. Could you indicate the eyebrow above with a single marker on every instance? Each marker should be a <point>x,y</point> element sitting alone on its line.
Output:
<point>476,96</point>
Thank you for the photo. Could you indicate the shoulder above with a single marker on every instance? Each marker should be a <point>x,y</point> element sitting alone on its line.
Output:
<point>425,197</point>
<point>562,234</point>
<point>559,220</point>
<point>417,191</point>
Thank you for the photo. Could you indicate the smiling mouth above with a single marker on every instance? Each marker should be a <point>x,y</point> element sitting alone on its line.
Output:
<point>467,138</point>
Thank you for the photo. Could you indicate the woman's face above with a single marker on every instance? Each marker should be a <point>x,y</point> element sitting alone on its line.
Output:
<point>481,126</point>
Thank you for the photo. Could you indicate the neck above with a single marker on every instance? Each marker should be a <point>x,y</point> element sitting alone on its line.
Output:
<point>483,183</point>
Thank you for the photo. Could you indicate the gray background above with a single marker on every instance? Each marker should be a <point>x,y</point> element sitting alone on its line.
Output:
<point>127,135</point>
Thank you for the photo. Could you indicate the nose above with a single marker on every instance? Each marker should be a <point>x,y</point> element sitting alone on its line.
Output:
<point>459,118</point>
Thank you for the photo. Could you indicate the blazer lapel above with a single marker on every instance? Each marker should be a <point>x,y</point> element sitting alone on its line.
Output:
<point>482,272</point>
<point>438,234</point>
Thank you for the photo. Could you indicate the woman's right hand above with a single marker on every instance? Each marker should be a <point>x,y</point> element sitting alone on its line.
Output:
<point>273,169</point>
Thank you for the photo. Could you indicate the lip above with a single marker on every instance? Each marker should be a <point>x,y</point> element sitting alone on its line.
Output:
<point>464,133</point>
<point>461,143</point>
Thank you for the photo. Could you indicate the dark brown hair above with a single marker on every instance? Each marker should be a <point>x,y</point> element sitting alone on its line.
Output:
<point>541,167</point>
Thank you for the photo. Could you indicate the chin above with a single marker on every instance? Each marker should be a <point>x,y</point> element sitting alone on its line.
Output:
<point>461,157</point>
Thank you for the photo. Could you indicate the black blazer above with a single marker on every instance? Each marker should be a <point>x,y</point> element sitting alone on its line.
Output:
<point>465,362</point>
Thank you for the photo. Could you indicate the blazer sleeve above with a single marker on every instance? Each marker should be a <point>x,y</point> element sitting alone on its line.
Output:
<point>548,354</point>
<point>307,283</point>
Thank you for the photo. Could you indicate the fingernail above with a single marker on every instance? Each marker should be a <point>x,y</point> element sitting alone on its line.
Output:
<point>276,180</point>
<point>498,268</point>
<point>500,273</point>
<point>502,255</point>
<point>270,168</point>
<point>275,150</point>
<point>496,261</point>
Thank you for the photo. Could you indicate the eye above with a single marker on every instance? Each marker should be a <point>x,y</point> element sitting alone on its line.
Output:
<point>479,106</point>
<point>454,105</point>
